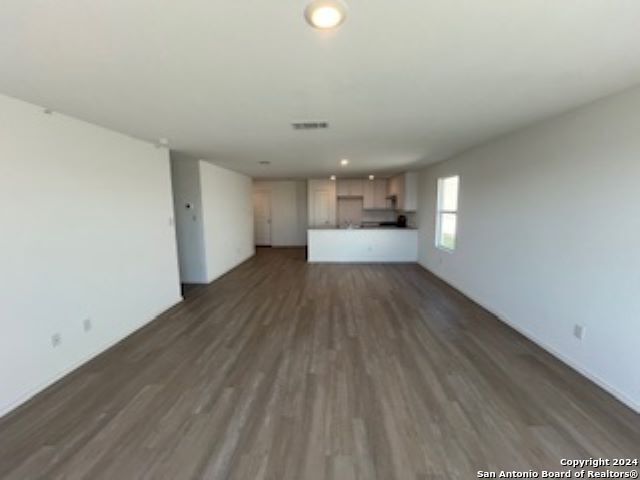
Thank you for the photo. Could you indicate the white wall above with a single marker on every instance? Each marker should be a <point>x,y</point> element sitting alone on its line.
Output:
<point>302,200</point>
<point>228,218</point>
<point>288,211</point>
<point>550,236</point>
<point>85,219</point>
<point>185,175</point>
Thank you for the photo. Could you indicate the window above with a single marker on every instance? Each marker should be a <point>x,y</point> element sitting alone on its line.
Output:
<point>447,214</point>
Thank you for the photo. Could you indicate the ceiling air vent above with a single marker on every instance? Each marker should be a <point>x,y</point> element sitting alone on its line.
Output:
<point>310,125</point>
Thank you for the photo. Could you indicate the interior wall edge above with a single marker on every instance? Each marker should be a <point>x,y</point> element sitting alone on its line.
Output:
<point>222,274</point>
<point>24,397</point>
<point>585,372</point>
<point>90,255</point>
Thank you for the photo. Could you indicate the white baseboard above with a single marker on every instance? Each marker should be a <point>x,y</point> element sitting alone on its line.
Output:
<point>29,394</point>
<point>622,397</point>
<point>26,396</point>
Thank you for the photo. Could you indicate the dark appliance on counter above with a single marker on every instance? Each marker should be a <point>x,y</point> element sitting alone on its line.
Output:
<point>402,221</point>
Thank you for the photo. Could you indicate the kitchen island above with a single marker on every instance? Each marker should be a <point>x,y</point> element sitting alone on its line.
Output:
<point>362,245</point>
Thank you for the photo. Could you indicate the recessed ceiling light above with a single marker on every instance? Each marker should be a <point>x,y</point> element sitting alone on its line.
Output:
<point>324,14</point>
<point>344,162</point>
<point>332,177</point>
<point>371,177</point>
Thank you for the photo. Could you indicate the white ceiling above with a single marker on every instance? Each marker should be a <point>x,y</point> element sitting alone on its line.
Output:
<point>402,82</point>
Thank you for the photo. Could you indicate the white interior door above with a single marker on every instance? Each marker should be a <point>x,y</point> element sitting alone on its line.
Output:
<point>262,218</point>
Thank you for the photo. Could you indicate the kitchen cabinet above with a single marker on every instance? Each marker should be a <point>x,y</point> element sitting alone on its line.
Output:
<point>369,196</point>
<point>404,188</point>
<point>350,187</point>
<point>410,192</point>
<point>322,203</point>
<point>394,186</point>
<point>356,188</point>
<point>380,192</point>
<point>375,194</point>
<point>342,188</point>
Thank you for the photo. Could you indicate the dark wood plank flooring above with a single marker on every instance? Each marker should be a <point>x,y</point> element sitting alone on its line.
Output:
<point>284,370</point>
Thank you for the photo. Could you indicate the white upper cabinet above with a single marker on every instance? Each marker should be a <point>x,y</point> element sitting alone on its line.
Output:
<point>410,192</point>
<point>375,194</point>
<point>397,193</point>
<point>350,187</point>
<point>404,188</point>
<point>381,190</point>
<point>369,196</point>
<point>342,188</point>
<point>322,203</point>
<point>356,188</point>
<point>396,189</point>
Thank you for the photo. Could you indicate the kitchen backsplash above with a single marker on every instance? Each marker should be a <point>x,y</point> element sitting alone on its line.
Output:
<point>379,216</point>
<point>350,211</point>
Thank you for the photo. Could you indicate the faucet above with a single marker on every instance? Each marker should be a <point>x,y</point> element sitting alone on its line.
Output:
<point>348,223</point>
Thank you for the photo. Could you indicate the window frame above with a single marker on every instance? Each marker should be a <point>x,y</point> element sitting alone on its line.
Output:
<point>440,212</point>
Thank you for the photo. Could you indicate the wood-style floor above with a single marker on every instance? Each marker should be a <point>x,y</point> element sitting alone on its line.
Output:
<point>284,370</point>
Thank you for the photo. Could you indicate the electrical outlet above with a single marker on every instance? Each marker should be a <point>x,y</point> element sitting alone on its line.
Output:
<point>578,331</point>
<point>56,340</point>
<point>87,325</point>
